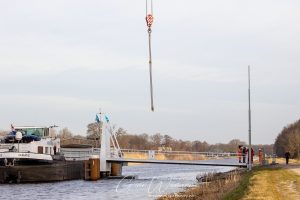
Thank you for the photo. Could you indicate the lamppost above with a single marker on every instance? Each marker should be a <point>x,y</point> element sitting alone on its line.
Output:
<point>249,118</point>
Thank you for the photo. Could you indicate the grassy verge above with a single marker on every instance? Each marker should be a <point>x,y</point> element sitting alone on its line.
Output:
<point>267,183</point>
<point>239,191</point>
<point>274,183</point>
<point>208,190</point>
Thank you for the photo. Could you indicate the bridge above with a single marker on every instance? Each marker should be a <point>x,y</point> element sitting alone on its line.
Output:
<point>177,162</point>
<point>149,156</point>
<point>112,156</point>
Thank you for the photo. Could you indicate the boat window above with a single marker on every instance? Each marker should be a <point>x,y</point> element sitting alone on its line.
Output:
<point>39,132</point>
<point>40,149</point>
<point>46,132</point>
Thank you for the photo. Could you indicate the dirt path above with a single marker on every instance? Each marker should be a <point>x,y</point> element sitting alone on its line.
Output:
<point>293,187</point>
<point>297,171</point>
<point>293,167</point>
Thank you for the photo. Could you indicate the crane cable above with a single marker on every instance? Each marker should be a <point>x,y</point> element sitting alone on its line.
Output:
<point>149,20</point>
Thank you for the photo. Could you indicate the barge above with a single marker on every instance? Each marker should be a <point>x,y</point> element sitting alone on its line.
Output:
<point>30,154</point>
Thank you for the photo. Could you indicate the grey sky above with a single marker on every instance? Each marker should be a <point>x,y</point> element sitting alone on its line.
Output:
<point>61,60</point>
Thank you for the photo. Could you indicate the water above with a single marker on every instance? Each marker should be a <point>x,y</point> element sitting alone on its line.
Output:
<point>153,181</point>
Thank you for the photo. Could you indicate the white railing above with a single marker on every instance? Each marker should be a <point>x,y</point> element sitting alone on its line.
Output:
<point>85,153</point>
<point>206,154</point>
<point>79,154</point>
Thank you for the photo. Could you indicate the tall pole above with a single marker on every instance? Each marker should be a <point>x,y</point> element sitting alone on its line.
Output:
<point>249,118</point>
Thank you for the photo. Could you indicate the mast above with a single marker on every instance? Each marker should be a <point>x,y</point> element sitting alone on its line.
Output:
<point>249,118</point>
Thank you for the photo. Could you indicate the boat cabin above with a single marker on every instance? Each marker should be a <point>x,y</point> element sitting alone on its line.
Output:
<point>29,143</point>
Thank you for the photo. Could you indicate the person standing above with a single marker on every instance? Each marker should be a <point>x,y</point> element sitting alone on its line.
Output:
<point>287,157</point>
<point>252,155</point>
<point>260,156</point>
<point>239,153</point>
<point>244,154</point>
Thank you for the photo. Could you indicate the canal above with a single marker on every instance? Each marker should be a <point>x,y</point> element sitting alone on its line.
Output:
<point>153,180</point>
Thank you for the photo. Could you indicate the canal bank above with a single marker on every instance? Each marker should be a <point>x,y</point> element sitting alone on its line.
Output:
<point>152,182</point>
<point>211,186</point>
<point>271,182</point>
<point>263,182</point>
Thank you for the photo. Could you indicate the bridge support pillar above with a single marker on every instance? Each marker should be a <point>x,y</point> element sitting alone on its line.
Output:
<point>105,152</point>
<point>92,168</point>
<point>116,169</point>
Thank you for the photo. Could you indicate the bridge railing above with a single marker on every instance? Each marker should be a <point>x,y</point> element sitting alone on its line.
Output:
<point>85,153</point>
<point>79,153</point>
<point>181,153</point>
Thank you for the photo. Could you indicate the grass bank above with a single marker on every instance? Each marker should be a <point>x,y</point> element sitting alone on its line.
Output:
<point>273,184</point>
<point>279,182</point>
<point>268,183</point>
<point>212,190</point>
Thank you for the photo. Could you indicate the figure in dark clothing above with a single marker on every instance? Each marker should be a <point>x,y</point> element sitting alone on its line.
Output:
<point>239,153</point>
<point>244,154</point>
<point>287,157</point>
<point>54,149</point>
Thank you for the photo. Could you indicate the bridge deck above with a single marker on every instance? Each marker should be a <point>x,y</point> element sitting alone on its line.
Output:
<point>179,162</point>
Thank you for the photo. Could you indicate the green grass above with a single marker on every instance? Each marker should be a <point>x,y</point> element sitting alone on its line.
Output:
<point>244,184</point>
<point>239,192</point>
<point>267,183</point>
<point>263,182</point>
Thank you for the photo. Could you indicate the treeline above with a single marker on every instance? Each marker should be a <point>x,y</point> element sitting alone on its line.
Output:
<point>149,142</point>
<point>3,133</point>
<point>146,142</point>
<point>289,140</point>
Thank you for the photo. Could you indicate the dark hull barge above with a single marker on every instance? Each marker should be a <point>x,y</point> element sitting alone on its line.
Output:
<point>56,171</point>
<point>28,154</point>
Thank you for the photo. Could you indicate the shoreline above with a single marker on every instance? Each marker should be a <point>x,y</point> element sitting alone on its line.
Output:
<point>242,184</point>
<point>210,186</point>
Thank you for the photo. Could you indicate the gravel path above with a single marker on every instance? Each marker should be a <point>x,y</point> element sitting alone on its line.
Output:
<point>293,167</point>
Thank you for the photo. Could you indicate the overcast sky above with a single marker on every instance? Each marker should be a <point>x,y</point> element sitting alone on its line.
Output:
<point>62,60</point>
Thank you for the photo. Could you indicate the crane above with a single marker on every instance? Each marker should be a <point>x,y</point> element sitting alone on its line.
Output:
<point>149,21</point>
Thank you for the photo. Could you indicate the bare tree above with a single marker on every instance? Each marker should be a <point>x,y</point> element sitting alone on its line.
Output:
<point>3,133</point>
<point>289,140</point>
<point>167,140</point>
<point>65,133</point>
<point>94,131</point>
<point>120,132</point>
<point>156,139</point>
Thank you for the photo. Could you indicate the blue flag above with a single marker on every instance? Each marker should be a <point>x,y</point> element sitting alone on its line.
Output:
<point>97,119</point>
<point>106,118</point>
